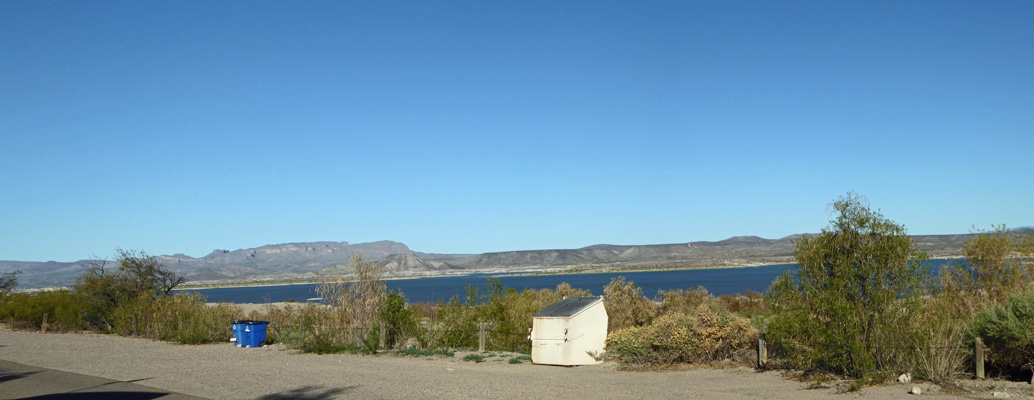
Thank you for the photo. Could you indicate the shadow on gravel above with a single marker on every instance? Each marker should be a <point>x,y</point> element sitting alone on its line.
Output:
<point>308,393</point>
<point>99,395</point>
<point>6,375</point>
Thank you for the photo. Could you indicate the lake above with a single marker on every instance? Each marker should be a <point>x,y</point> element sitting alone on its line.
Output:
<point>718,281</point>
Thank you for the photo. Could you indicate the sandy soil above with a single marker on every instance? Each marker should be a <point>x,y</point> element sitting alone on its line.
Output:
<point>221,371</point>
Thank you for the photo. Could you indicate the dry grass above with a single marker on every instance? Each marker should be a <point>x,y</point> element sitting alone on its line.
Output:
<point>708,335</point>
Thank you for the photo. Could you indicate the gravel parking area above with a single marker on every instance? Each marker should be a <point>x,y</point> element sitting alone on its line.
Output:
<point>221,371</point>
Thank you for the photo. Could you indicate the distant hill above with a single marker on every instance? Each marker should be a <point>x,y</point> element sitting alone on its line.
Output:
<point>298,261</point>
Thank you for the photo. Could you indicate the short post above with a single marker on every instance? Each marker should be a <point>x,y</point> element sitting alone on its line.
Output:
<point>978,357</point>
<point>481,336</point>
<point>384,335</point>
<point>43,326</point>
<point>762,351</point>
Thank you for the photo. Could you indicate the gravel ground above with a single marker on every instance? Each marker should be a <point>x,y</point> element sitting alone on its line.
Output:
<point>221,371</point>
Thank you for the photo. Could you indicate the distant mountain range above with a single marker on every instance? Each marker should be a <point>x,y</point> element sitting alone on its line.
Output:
<point>300,261</point>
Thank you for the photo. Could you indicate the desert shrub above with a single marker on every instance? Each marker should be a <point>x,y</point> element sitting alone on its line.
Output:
<point>102,289</point>
<point>1006,331</point>
<point>679,301</point>
<point>709,334</point>
<point>456,323</point>
<point>518,309</point>
<point>398,319</point>
<point>626,306</point>
<point>455,327</point>
<point>324,329</point>
<point>998,263</point>
<point>996,269</point>
<point>507,313</point>
<point>750,303</point>
<point>938,334</point>
<point>62,311</point>
<point>857,287</point>
<point>352,312</point>
<point>183,318</point>
<point>186,318</point>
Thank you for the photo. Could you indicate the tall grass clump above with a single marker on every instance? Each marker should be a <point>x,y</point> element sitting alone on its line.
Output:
<point>350,314</point>
<point>182,318</point>
<point>849,306</point>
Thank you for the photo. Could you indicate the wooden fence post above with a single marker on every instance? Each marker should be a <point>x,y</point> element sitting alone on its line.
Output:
<point>43,326</point>
<point>481,336</point>
<point>978,357</point>
<point>384,335</point>
<point>762,351</point>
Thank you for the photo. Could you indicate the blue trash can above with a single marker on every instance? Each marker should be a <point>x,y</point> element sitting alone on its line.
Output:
<point>249,333</point>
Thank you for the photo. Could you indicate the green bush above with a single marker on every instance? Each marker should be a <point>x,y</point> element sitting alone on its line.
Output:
<point>857,287</point>
<point>1008,334</point>
<point>398,319</point>
<point>62,310</point>
<point>709,334</point>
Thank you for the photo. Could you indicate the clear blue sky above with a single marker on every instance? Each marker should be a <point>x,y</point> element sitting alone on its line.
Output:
<point>467,127</point>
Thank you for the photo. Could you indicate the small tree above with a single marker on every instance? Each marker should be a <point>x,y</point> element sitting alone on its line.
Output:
<point>145,273</point>
<point>138,274</point>
<point>857,283</point>
<point>8,282</point>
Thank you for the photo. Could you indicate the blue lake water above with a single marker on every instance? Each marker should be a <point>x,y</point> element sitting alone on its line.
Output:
<point>430,290</point>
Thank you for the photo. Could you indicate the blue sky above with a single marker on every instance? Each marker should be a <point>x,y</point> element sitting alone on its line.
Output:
<point>468,127</point>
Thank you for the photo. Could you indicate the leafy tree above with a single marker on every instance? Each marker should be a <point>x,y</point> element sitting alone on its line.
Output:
<point>857,283</point>
<point>145,273</point>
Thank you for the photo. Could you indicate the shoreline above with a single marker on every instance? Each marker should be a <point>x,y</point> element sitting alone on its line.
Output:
<point>531,271</point>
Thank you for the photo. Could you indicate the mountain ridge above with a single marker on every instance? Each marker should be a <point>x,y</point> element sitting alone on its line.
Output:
<point>308,260</point>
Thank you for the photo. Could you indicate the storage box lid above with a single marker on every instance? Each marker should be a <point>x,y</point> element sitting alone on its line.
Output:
<point>568,307</point>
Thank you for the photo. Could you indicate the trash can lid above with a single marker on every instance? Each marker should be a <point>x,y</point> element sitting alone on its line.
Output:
<point>250,322</point>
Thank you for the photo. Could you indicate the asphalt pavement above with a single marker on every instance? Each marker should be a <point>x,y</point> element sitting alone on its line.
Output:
<point>19,381</point>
